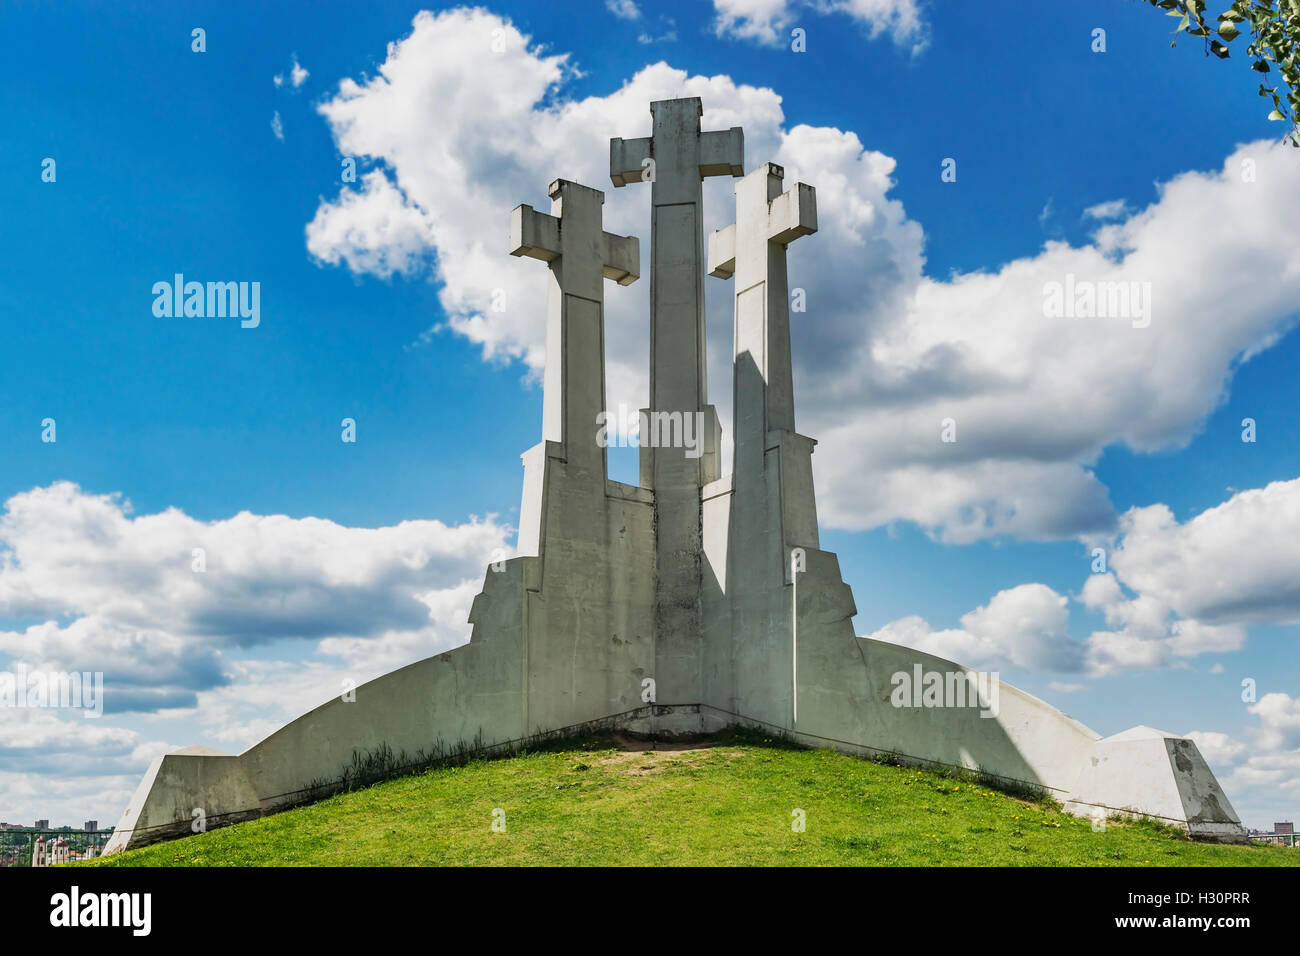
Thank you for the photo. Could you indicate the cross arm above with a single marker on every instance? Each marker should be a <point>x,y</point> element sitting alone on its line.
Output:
<point>793,214</point>
<point>626,159</point>
<point>621,257</point>
<point>722,252</point>
<point>722,152</point>
<point>534,234</point>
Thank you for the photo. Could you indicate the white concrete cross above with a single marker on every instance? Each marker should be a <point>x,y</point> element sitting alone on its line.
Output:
<point>581,256</point>
<point>753,249</point>
<point>674,160</point>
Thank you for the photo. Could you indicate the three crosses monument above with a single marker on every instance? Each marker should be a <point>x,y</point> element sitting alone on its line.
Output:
<point>695,600</point>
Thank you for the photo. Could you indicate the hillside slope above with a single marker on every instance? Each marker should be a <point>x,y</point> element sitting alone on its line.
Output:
<point>733,800</point>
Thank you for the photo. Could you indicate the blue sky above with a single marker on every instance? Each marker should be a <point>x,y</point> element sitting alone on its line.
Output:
<point>167,162</point>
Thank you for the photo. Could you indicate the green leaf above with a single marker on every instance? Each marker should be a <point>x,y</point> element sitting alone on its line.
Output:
<point>1259,66</point>
<point>1218,49</point>
<point>1228,31</point>
<point>1276,115</point>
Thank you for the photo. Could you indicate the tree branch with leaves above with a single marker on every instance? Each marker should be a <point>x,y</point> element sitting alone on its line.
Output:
<point>1274,28</point>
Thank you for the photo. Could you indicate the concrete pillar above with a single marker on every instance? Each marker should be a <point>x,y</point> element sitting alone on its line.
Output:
<point>674,160</point>
<point>773,507</point>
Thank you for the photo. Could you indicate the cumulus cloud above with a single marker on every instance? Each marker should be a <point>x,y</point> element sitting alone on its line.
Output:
<point>119,593</point>
<point>277,126</point>
<point>372,230</point>
<point>769,21</point>
<point>1173,592</point>
<point>1217,748</point>
<point>57,766</point>
<point>890,354</point>
<point>1035,399</point>
<point>1236,563</point>
<point>1023,627</point>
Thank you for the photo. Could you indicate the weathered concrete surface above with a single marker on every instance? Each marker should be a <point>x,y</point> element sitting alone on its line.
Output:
<point>675,159</point>
<point>674,607</point>
<point>186,792</point>
<point>1145,772</point>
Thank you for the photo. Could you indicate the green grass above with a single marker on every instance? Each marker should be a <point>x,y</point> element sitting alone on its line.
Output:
<point>729,803</point>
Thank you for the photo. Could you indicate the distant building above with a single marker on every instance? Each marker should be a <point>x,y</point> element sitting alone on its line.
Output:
<point>39,856</point>
<point>92,824</point>
<point>1286,828</point>
<point>42,824</point>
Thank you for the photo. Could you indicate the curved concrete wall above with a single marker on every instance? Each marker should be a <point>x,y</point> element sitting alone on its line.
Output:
<point>559,640</point>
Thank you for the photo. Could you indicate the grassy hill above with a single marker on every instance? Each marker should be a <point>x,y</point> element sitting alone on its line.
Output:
<point>728,801</point>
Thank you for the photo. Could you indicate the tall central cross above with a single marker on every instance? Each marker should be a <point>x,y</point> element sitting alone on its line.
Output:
<point>674,159</point>
<point>581,256</point>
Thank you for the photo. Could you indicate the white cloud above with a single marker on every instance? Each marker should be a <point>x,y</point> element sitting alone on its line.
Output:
<point>1279,716</point>
<point>1217,749</point>
<point>762,20</point>
<point>277,127</point>
<point>624,9</point>
<point>371,230</point>
<point>669,34</point>
<point>117,592</point>
<point>1107,210</point>
<point>1174,591</point>
<point>211,652</point>
<point>297,74</point>
<point>1037,399</point>
<point>1063,687</point>
<point>890,354</point>
<point>67,768</point>
<point>1046,213</point>
<point>1236,563</point>
<point>1024,627</point>
<point>769,21</point>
